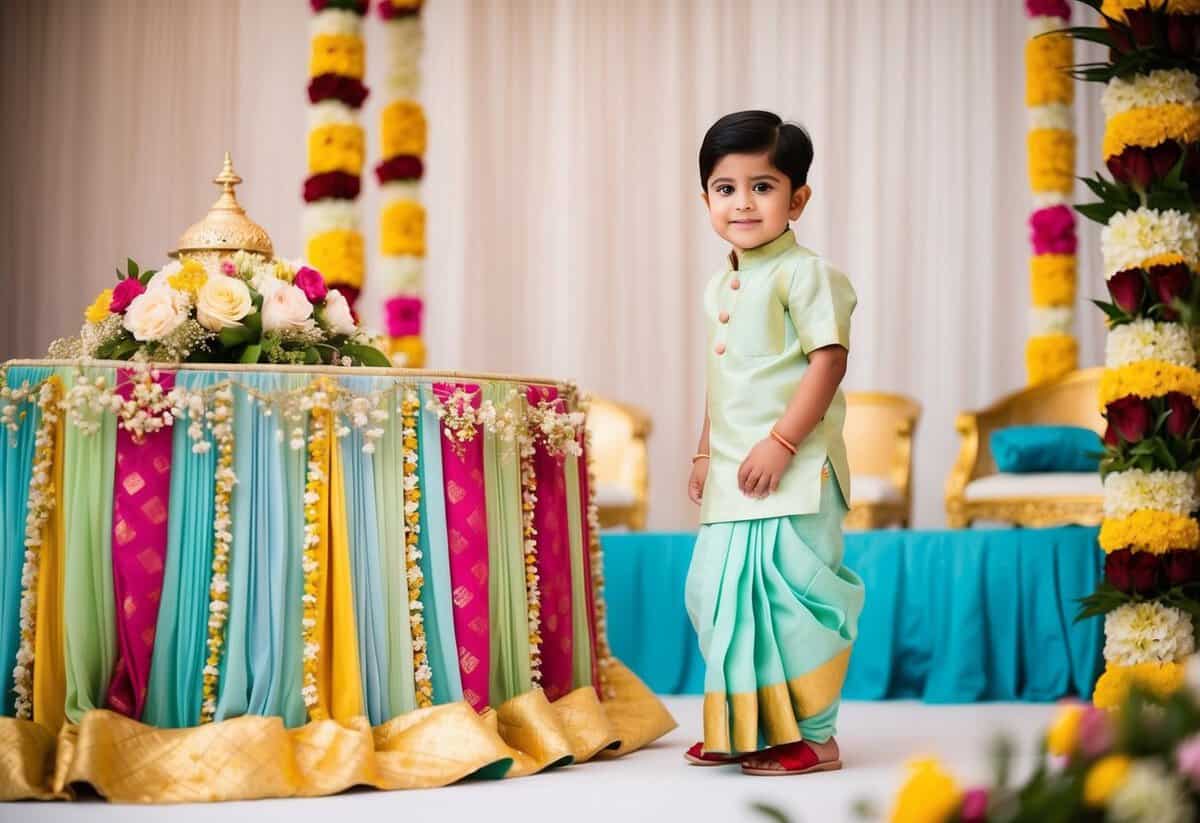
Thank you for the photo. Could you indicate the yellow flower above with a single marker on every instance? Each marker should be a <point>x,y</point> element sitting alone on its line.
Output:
<point>98,311</point>
<point>1148,378</point>
<point>1148,127</point>
<point>929,796</point>
<point>1046,60</point>
<point>338,255</point>
<point>1117,8</point>
<point>1052,279</point>
<point>404,128</point>
<point>335,147</point>
<point>1104,778</point>
<point>1050,356</point>
<point>402,229</point>
<point>1161,679</point>
<point>1064,734</point>
<point>189,278</point>
<point>412,349</point>
<point>337,54</point>
<point>1051,160</point>
<point>1150,531</point>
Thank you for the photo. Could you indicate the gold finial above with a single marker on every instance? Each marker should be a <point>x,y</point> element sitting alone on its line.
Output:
<point>226,228</point>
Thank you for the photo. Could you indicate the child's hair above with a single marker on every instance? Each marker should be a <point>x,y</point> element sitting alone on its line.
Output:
<point>788,145</point>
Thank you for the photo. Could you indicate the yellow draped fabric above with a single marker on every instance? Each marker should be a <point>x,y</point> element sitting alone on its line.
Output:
<point>247,758</point>
<point>50,669</point>
<point>341,649</point>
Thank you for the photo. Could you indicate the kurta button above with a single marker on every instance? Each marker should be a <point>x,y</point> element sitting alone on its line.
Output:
<point>720,349</point>
<point>723,317</point>
<point>736,284</point>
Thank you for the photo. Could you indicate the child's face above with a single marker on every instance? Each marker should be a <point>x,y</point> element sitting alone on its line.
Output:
<point>750,202</point>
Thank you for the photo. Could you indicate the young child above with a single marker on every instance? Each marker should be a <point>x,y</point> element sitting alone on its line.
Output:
<point>775,609</point>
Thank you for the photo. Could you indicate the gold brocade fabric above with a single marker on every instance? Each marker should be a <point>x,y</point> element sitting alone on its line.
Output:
<point>248,758</point>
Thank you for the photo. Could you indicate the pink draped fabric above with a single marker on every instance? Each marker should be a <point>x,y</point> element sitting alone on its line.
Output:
<point>585,493</point>
<point>141,493</point>
<point>554,560</point>
<point>466,527</point>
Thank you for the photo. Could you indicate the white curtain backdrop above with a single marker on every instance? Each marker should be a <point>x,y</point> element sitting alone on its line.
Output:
<point>566,233</point>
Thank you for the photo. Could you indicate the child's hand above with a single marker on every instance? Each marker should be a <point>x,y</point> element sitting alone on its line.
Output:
<point>696,480</point>
<point>760,472</point>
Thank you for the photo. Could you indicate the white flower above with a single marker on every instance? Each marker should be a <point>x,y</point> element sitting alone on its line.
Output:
<point>330,215</point>
<point>1143,91</point>
<point>1132,237</point>
<point>1135,490</point>
<point>1046,199</point>
<point>160,278</point>
<point>155,313</point>
<point>266,284</point>
<point>1147,633</point>
<point>1149,795</point>
<point>222,302</point>
<point>1051,320</point>
<point>336,314</point>
<point>400,274</point>
<point>1146,340</point>
<point>336,22</point>
<point>395,190</point>
<point>1052,116</point>
<point>1043,24</point>
<point>285,309</point>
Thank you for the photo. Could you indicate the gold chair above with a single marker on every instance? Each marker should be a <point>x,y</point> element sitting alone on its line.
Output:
<point>975,490</point>
<point>879,434</point>
<point>619,459</point>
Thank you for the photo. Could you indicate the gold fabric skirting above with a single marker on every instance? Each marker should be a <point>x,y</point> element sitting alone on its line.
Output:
<point>249,758</point>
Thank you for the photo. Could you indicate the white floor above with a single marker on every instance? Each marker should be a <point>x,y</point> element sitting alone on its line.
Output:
<point>651,785</point>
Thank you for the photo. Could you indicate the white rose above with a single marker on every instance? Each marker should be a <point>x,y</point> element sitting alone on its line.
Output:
<point>155,313</point>
<point>266,284</point>
<point>336,314</point>
<point>222,302</point>
<point>159,280</point>
<point>286,308</point>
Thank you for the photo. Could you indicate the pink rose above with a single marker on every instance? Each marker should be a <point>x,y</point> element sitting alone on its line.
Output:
<point>311,283</point>
<point>1052,230</point>
<point>124,293</point>
<point>1095,732</point>
<point>228,269</point>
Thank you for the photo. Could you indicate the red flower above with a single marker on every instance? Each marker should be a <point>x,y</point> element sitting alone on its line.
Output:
<point>124,293</point>
<point>1130,416</point>
<point>1132,166</point>
<point>400,167</point>
<point>1170,283</point>
<point>1127,288</point>
<point>1143,573</point>
<point>1181,38</point>
<point>975,804</point>
<point>1191,164</point>
<point>1141,25</point>
<point>1163,158</point>
<point>1180,567</point>
<point>1116,570</point>
<point>1052,230</point>
<point>334,184</point>
<point>391,12</point>
<point>1110,436</point>
<point>348,90</point>
<point>1183,414</point>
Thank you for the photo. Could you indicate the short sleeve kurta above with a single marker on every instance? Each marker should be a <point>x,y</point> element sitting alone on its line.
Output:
<point>766,312</point>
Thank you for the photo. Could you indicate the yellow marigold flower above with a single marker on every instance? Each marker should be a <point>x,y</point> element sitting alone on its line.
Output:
<point>412,349</point>
<point>338,255</point>
<point>98,311</point>
<point>335,147</point>
<point>1148,378</point>
<point>1064,734</point>
<point>404,128</point>
<point>337,54</point>
<point>1052,279</point>
<point>930,795</point>
<point>1104,778</point>
<point>1161,679</point>
<point>1150,126</point>
<point>1117,8</point>
<point>1047,59</point>
<point>402,229</point>
<point>1051,160</point>
<point>1050,356</point>
<point>189,278</point>
<point>1150,531</point>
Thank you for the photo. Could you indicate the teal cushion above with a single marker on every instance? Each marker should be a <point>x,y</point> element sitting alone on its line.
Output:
<point>1028,449</point>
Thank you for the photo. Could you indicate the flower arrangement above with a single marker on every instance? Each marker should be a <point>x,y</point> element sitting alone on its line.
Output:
<point>1051,350</point>
<point>250,310</point>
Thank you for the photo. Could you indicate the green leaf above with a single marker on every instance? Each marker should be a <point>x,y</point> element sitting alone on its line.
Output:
<point>312,357</point>
<point>366,355</point>
<point>1098,212</point>
<point>1091,34</point>
<point>251,353</point>
<point>235,336</point>
<point>120,275</point>
<point>125,349</point>
<point>253,322</point>
<point>1115,313</point>
<point>132,267</point>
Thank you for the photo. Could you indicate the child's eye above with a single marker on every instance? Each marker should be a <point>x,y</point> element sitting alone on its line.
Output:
<point>762,188</point>
<point>725,189</point>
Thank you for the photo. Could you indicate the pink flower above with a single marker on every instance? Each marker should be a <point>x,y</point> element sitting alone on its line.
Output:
<point>311,283</point>
<point>1048,8</point>
<point>1052,231</point>
<point>228,269</point>
<point>1095,732</point>
<point>1188,758</point>
<point>124,293</point>
<point>975,806</point>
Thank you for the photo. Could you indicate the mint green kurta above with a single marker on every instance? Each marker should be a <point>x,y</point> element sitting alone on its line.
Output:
<point>766,312</point>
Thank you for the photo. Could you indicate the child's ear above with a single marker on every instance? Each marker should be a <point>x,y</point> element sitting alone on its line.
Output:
<point>800,198</point>
<point>704,197</point>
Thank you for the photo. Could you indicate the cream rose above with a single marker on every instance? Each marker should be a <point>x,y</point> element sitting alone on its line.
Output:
<point>286,308</point>
<point>156,313</point>
<point>222,302</point>
<point>336,314</point>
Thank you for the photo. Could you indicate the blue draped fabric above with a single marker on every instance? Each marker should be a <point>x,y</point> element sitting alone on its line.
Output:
<point>950,616</point>
<point>16,470</point>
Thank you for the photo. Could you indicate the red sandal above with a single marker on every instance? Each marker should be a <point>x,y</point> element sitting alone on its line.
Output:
<point>698,757</point>
<point>796,758</point>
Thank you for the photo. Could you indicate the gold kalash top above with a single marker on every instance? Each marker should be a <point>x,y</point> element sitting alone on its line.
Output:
<point>226,228</point>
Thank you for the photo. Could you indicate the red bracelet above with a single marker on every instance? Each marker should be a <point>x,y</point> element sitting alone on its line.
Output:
<point>783,441</point>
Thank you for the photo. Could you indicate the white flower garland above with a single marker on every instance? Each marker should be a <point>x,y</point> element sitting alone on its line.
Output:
<point>1135,490</point>
<point>400,190</point>
<point>1132,237</point>
<point>402,273</point>
<point>336,22</point>
<point>1145,339</point>
<point>1056,116</point>
<point>220,421</point>
<point>422,672</point>
<point>1044,24</point>
<point>1045,320</point>
<point>315,483</point>
<point>330,215</point>
<point>1143,91</point>
<point>1046,199</point>
<point>1147,632</point>
<point>533,594</point>
<point>41,505</point>
<point>405,42</point>
<point>331,113</point>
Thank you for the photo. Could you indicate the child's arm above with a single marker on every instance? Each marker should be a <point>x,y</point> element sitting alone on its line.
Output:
<point>762,469</point>
<point>699,464</point>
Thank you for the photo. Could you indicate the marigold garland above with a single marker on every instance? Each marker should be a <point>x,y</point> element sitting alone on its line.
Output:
<point>1113,686</point>
<point>1148,378</point>
<point>1049,356</point>
<point>1051,160</point>
<point>335,147</point>
<point>422,672</point>
<point>1150,531</point>
<point>339,255</point>
<point>315,489</point>
<point>341,54</point>
<point>220,420</point>
<point>1148,127</point>
<point>1117,8</point>
<point>533,596</point>
<point>1052,279</point>
<point>1046,80</point>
